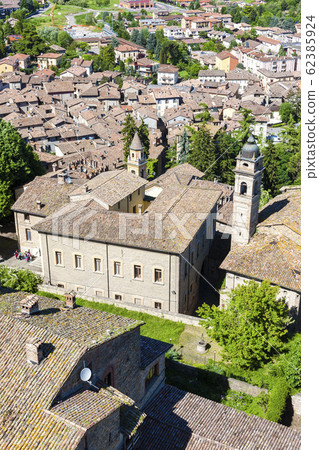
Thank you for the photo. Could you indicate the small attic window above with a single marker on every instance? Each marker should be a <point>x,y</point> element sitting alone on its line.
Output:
<point>245,164</point>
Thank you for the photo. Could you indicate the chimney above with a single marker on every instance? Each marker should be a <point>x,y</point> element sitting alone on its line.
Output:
<point>140,208</point>
<point>70,300</point>
<point>54,166</point>
<point>33,350</point>
<point>39,205</point>
<point>85,188</point>
<point>29,305</point>
<point>61,178</point>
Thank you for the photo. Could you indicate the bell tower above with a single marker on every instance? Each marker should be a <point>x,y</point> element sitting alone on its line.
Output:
<point>136,161</point>
<point>248,173</point>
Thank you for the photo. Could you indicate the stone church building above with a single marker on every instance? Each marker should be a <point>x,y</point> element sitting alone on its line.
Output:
<point>143,242</point>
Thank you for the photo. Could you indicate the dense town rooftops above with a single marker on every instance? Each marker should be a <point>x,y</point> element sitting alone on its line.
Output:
<point>28,390</point>
<point>48,192</point>
<point>110,187</point>
<point>125,228</point>
<point>84,326</point>
<point>179,419</point>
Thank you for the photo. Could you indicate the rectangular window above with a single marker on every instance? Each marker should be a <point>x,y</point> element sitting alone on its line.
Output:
<point>118,297</point>
<point>154,372</point>
<point>80,289</point>
<point>58,258</point>
<point>28,234</point>
<point>117,268</point>
<point>97,265</point>
<point>158,277</point>
<point>27,217</point>
<point>78,261</point>
<point>99,293</point>
<point>137,272</point>
<point>119,205</point>
<point>158,305</point>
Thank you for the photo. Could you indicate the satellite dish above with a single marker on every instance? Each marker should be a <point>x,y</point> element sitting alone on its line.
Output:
<point>68,180</point>
<point>85,374</point>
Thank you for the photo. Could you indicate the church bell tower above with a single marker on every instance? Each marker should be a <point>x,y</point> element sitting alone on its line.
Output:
<point>136,161</point>
<point>248,173</point>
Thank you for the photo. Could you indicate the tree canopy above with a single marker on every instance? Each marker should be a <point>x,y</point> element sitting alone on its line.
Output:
<point>18,165</point>
<point>252,328</point>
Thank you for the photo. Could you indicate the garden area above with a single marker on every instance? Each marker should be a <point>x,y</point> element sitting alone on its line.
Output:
<point>232,352</point>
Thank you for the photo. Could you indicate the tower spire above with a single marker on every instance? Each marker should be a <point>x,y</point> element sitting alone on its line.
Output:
<point>248,173</point>
<point>136,161</point>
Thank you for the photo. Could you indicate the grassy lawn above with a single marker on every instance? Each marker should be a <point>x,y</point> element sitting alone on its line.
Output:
<point>91,4</point>
<point>155,327</point>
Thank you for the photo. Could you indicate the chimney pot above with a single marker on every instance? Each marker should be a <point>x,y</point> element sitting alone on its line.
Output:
<point>34,351</point>
<point>140,209</point>
<point>29,305</point>
<point>70,300</point>
<point>61,178</point>
<point>54,166</point>
<point>39,204</point>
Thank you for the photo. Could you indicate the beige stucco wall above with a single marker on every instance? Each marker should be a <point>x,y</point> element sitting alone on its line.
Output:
<point>106,284</point>
<point>21,226</point>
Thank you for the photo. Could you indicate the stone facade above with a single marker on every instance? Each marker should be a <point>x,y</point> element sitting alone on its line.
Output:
<point>248,175</point>
<point>28,238</point>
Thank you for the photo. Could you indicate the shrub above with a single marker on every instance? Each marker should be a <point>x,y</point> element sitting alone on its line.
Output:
<point>174,355</point>
<point>19,279</point>
<point>277,401</point>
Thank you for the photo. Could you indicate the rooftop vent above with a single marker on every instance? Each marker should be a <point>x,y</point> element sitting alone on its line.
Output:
<point>34,350</point>
<point>30,304</point>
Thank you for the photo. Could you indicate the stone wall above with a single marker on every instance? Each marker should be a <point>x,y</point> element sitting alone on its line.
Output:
<point>175,317</point>
<point>296,404</point>
<point>229,383</point>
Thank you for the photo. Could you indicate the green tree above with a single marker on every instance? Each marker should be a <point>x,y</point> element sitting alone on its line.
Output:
<point>171,156</point>
<point>271,164</point>
<point>245,125</point>
<point>281,51</point>
<point>128,132</point>
<point>18,165</point>
<point>183,148</point>
<point>285,111</point>
<point>205,115</point>
<point>294,98</point>
<point>252,328</point>
<point>152,167</point>
<point>227,148</point>
<point>106,59</point>
<point>202,155</point>
<point>291,145</point>
<point>31,44</point>
<point>64,39</point>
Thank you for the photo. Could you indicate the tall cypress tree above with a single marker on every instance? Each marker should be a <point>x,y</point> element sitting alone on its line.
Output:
<point>203,152</point>
<point>271,164</point>
<point>183,148</point>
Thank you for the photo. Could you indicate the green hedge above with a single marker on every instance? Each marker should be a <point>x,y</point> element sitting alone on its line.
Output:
<point>277,401</point>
